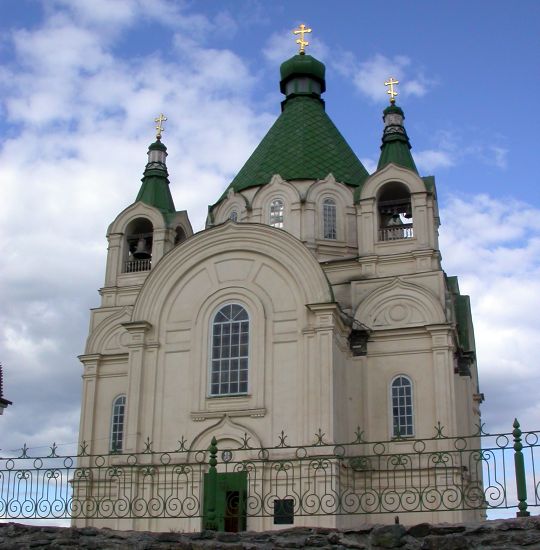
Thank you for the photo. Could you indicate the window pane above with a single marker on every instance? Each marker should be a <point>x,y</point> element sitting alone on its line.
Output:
<point>276,213</point>
<point>117,424</point>
<point>230,339</point>
<point>402,407</point>
<point>329,219</point>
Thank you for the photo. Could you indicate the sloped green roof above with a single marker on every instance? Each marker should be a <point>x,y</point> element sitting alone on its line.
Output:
<point>303,143</point>
<point>395,146</point>
<point>397,151</point>
<point>462,309</point>
<point>155,190</point>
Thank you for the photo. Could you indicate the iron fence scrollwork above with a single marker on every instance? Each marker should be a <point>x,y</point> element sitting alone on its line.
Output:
<point>478,472</point>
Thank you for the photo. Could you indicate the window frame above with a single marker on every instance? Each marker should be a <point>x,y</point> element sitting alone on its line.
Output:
<point>326,202</point>
<point>239,357</point>
<point>116,426</point>
<point>402,409</point>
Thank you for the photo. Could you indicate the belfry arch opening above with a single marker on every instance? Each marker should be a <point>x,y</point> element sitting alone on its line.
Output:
<point>139,241</point>
<point>395,212</point>
<point>179,235</point>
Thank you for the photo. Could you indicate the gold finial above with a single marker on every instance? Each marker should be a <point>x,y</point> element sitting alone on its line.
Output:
<point>391,92</point>
<point>159,128</point>
<point>300,41</point>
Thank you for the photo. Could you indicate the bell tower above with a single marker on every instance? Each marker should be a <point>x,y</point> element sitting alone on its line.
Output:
<point>138,239</point>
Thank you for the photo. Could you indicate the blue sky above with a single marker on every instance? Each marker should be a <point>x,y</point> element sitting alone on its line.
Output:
<point>80,84</point>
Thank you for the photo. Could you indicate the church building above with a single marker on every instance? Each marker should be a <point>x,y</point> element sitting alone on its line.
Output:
<point>314,301</point>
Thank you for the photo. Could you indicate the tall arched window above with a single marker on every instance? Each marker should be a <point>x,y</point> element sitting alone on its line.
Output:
<point>230,343</point>
<point>329,219</point>
<point>117,424</point>
<point>402,407</point>
<point>277,209</point>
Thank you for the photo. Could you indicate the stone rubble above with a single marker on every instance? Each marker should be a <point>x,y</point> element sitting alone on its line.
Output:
<point>507,534</point>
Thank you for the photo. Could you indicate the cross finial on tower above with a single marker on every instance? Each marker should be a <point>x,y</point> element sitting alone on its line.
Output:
<point>159,128</point>
<point>300,41</point>
<point>391,91</point>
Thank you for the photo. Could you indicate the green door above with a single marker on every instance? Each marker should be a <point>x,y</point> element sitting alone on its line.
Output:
<point>231,494</point>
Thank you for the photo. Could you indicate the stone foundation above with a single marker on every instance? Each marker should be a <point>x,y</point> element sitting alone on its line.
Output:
<point>508,534</point>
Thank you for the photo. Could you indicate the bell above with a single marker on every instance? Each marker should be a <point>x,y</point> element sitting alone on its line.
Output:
<point>142,252</point>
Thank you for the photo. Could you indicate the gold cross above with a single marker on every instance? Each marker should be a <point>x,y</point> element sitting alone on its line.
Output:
<point>300,41</point>
<point>159,128</point>
<point>391,92</point>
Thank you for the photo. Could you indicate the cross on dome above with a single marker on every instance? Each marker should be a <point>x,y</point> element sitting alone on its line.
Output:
<point>391,91</point>
<point>300,41</point>
<point>159,128</point>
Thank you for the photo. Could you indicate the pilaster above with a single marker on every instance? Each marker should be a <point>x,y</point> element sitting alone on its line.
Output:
<point>88,406</point>
<point>138,331</point>
<point>443,376</point>
<point>114,258</point>
<point>321,373</point>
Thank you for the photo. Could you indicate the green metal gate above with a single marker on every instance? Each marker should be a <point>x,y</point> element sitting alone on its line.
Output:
<point>229,506</point>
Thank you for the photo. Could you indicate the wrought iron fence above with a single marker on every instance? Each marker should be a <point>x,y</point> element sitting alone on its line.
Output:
<point>478,472</point>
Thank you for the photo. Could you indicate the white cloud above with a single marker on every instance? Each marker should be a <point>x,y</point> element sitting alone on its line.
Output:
<point>369,164</point>
<point>500,156</point>
<point>494,246</point>
<point>84,117</point>
<point>431,160</point>
<point>451,148</point>
<point>282,45</point>
<point>370,75</point>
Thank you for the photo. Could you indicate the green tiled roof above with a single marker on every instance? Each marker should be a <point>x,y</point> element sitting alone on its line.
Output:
<point>303,143</point>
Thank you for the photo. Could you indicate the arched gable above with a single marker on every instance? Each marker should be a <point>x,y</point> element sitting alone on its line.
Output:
<point>229,434</point>
<point>229,255</point>
<point>233,202</point>
<point>136,210</point>
<point>331,188</point>
<point>400,304</point>
<point>391,172</point>
<point>277,187</point>
<point>110,336</point>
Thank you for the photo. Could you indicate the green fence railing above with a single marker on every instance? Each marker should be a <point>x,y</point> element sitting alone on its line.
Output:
<point>224,486</point>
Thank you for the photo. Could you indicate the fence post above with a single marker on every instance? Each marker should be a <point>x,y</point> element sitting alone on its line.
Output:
<point>519,465</point>
<point>211,519</point>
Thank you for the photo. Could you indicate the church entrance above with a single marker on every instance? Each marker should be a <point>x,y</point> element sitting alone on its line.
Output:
<point>231,497</point>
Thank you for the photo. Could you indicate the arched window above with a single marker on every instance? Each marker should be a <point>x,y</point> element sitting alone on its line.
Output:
<point>277,209</point>
<point>395,213</point>
<point>233,216</point>
<point>329,219</point>
<point>402,407</point>
<point>180,235</point>
<point>230,343</point>
<point>117,424</point>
